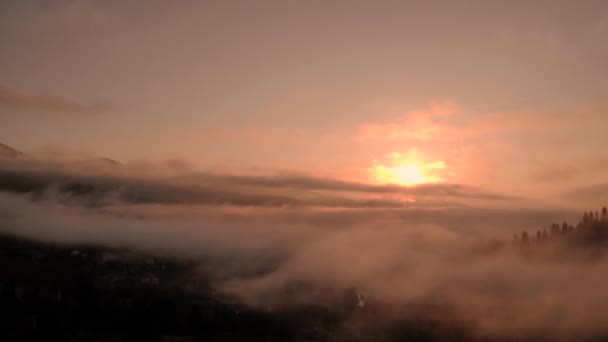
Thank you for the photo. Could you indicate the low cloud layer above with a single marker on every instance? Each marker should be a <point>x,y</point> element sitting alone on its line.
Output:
<point>451,264</point>
<point>102,179</point>
<point>407,264</point>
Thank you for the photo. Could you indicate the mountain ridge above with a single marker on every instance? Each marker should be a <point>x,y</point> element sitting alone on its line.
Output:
<point>9,152</point>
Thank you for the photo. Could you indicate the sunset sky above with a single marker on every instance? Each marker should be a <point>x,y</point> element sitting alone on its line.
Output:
<point>512,99</point>
<point>441,164</point>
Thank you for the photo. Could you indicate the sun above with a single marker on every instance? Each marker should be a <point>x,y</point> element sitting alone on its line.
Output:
<point>407,174</point>
<point>407,170</point>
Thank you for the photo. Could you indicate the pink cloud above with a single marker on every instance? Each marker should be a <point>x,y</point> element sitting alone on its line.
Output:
<point>447,122</point>
<point>422,124</point>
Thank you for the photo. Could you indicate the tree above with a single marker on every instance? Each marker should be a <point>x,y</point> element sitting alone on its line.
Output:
<point>554,229</point>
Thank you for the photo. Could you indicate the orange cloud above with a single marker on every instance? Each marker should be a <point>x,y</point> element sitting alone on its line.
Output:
<point>417,125</point>
<point>437,123</point>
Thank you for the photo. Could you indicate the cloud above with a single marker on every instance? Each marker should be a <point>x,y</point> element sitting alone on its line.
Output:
<point>312,183</point>
<point>556,174</point>
<point>98,179</point>
<point>592,168</point>
<point>291,241</point>
<point>425,124</point>
<point>446,122</point>
<point>593,193</point>
<point>13,99</point>
<point>112,182</point>
<point>414,267</point>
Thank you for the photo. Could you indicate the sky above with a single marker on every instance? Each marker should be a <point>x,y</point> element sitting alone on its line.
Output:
<point>392,147</point>
<point>509,97</point>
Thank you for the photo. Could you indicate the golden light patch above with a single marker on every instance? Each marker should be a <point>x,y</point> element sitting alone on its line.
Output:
<point>404,174</point>
<point>407,170</point>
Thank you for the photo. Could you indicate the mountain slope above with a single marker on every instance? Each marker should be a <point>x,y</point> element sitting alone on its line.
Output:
<point>9,152</point>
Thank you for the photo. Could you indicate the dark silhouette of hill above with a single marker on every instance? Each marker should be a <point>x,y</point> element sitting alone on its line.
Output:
<point>109,161</point>
<point>9,152</point>
<point>86,293</point>
<point>37,182</point>
<point>57,292</point>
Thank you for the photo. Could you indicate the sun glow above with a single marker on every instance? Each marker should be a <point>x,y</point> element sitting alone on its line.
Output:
<point>408,174</point>
<point>407,170</point>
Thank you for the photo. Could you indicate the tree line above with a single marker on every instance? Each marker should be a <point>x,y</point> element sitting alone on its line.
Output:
<point>592,225</point>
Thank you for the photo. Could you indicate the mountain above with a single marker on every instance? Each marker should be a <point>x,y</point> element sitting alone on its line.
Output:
<point>9,152</point>
<point>109,161</point>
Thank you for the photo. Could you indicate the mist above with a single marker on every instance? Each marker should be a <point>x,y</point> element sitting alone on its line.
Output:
<point>455,264</point>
